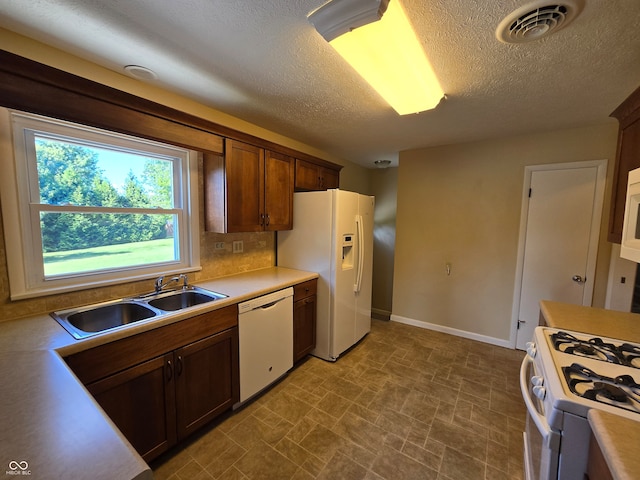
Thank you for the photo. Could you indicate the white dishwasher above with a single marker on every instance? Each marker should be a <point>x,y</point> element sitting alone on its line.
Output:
<point>265,331</point>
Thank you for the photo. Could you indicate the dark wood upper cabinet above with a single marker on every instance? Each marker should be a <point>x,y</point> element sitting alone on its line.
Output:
<point>627,159</point>
<point>278,191</point>
<point>249,189</point>
<point>312,176</point>
<point>244,170</point>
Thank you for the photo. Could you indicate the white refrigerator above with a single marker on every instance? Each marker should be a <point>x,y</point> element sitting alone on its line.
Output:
<point>333,236</point>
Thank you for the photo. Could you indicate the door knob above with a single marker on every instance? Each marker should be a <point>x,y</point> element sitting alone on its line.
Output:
<point>578,279</point>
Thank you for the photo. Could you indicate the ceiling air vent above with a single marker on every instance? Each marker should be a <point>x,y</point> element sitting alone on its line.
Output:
<point>537,19</point>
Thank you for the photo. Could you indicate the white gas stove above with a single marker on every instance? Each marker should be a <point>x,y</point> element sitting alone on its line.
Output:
<point>563,376</point>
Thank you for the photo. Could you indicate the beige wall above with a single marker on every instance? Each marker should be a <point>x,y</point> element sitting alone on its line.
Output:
<point>355,178</point>
<point>385,189</point>
<point>460,204</point>
<point>259,248</point>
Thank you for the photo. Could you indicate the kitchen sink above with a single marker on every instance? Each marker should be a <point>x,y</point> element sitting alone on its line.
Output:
<point>98,318</point>
<point>92,319</point>
<point>183,298</point>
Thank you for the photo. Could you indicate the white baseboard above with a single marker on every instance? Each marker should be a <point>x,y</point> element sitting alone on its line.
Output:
<point>452,331</point>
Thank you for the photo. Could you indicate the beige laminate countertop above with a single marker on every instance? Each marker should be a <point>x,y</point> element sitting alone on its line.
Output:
<point>50,426</point>
<point>596,321</point>
<point>619,441</point>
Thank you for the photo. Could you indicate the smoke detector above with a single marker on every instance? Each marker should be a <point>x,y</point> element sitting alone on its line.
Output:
<point>537,19</point>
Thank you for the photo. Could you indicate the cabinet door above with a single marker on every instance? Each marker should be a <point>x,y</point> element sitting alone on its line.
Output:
<point>597,468</point>
<point>206,380</point>
<point>628,159</point>
<point>141,402</point>
<point>278,186</point>
<point>244,168</point>
<point>329,179</point>
<point>307,176</point>
<point>304,327</point>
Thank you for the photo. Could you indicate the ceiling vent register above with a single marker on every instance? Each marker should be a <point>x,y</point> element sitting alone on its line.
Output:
<point>537,20</point>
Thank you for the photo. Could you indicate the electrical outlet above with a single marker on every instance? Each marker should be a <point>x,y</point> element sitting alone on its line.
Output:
<point>237,246</point>
<point>219,246</point>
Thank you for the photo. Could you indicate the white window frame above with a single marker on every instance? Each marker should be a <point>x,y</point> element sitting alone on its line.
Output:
<point>21,215</point>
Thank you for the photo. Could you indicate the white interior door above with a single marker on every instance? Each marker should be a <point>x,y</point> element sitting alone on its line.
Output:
<point>562,211</point>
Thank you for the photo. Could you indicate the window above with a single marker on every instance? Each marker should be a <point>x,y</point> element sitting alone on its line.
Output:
<point>85,207</point>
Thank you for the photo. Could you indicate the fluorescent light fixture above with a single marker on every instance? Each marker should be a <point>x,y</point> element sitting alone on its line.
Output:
<point>377,40</point>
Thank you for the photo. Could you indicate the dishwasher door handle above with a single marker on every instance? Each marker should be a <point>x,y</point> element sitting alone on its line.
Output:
<point>265,302</point>
<point>270,304</point>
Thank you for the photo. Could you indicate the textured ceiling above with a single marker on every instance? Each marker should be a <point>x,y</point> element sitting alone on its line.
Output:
<point>263,62</point>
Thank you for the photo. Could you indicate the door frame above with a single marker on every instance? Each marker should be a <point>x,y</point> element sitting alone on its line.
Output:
<point>596,218</point>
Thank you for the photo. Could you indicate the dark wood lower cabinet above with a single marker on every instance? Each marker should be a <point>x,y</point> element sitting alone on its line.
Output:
<point>141,402</point>
<point>161,401</point>
<point>304,327</point>
<point>597,468</point>
<point>304,319</point>
<point>205,386</point>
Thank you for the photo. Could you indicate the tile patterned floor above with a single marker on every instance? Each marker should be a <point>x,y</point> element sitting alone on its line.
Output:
<point>405,403</point>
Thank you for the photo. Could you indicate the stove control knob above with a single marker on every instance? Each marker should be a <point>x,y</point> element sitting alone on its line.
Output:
<point>537,381</point>
<point>539,391</point>
<point>531,349</point>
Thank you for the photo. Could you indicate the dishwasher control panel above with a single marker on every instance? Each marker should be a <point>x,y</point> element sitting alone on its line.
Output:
<point>265,300</point>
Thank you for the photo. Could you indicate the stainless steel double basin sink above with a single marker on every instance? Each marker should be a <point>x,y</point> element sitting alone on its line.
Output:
<point>83,322</point>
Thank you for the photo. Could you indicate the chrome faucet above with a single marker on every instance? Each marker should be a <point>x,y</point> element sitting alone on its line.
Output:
<point>159,285</point>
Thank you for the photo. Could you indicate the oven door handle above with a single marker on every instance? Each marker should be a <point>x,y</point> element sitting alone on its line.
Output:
<point>550,437</point>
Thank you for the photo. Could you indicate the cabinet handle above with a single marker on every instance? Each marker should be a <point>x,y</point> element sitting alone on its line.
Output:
<point>267,221</point>
<point>169,370</point>
<point>179,366</point>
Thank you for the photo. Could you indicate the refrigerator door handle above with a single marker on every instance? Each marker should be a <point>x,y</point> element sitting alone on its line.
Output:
<point>360,240</point>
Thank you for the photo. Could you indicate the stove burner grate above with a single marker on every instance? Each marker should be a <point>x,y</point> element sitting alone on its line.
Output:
<point>608,391</point>
<point>631,353</point>
<point>622,391</point>
<point>596,348</point>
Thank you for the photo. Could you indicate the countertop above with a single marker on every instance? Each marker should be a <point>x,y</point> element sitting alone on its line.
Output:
<point>619,450</point>
<point>50,426</point>
<point>596,321</point>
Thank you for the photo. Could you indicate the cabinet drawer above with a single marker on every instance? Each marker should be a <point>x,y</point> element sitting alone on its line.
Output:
<point>99,362</point>
<point>305,289</point>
